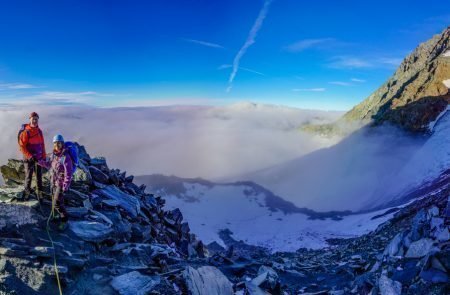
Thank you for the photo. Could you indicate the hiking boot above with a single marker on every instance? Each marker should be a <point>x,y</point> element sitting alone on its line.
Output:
<point>40,197</point>
<point>56,218</point>
<point>62,226</point>
<point>25,196</point>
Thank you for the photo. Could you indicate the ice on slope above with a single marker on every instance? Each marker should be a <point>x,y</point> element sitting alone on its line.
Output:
<point>438,118</point>
<point>229,206</point>
<point>429,161</point>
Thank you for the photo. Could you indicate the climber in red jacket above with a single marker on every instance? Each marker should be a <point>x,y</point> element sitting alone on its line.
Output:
<point>32,146</point>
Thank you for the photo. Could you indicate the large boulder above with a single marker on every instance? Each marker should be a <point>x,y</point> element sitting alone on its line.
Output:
<point>133,283</point>
<point>98,175</point>
<point>13,172</point>
<point>13,215</point>
<point>420,248</point>
<point>124,201</point>
<point>207,280</point>
<point>388,286</point>
<point>91,231</point>
<point>82,175</point>
<point>82,153</point>
<point>394,246</point>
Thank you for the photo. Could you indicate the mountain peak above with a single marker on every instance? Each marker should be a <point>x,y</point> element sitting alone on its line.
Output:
<point>417,92</point>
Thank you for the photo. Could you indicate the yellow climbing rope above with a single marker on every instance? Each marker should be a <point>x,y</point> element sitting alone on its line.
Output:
<point>47,228</point>
<point>52,215</point>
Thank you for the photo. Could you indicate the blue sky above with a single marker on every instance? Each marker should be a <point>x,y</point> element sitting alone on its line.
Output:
<point>325,55</point>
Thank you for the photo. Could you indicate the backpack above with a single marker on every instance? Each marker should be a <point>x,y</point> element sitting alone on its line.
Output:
<point>72,150</point>
<point>23,129</point>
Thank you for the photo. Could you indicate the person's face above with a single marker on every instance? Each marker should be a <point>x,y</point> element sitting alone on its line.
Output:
<point>57,146</point>
<point>34,121</point>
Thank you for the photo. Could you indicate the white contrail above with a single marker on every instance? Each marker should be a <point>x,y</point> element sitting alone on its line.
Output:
<point>204,43</point>
<point>250,40</point>
<point>241,68</point>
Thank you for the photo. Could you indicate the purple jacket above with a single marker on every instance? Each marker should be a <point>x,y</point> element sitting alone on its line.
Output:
<point>60,166</point>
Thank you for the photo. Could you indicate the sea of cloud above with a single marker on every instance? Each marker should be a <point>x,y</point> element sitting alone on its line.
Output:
<point>211,142</point>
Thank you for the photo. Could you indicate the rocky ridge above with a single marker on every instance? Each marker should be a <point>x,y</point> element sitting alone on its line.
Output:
<point>122,241</point>
<point>411,98</point>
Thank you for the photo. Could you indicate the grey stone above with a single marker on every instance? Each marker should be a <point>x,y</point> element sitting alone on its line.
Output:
<point>98,161</point>
<point>90,230</point>
<point>207,280</point>
<point>406,275</point>
<point>72,261</point>
<point>420,248</point>
<point>13,172</point>
<point>436,222</point>
<point>266,275</point>
<point>407,240</point>
<point>434,276</point>
<point>13,215</point>
<point>2,264</point>
<point>418,223</point>
<point>77,212</point>
<point>125,201</point>
<point>388,286</point>
<point>42,251</point>
<point>394,246</point>
<point>442,234</point>
<point>134,283</point>
<point>50,269</point>
<point>98,175</point>
<point>253,289</point>
<point>433,211</point>
<point>82,174</point>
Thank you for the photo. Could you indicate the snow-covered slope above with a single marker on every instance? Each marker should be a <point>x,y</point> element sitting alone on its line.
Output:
<point>424,166</point>
<point>255,215</point>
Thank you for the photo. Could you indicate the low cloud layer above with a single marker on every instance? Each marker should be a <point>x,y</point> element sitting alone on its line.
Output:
<point>187,141</point>
<point>358,173</point>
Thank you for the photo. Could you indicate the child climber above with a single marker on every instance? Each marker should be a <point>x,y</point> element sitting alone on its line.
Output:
<point>60,167</point>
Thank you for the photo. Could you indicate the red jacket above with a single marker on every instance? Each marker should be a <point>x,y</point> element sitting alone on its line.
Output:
<point>31,143</point>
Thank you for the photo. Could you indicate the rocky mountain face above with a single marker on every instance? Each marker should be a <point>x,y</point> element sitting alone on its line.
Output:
<point>121,240</point>
<point>413,97</point>
<point>118,234</point>
<point>417,92</point>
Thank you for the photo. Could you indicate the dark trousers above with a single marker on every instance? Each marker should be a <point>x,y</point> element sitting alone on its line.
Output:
<point>32,167</point>
<point>58,202</point>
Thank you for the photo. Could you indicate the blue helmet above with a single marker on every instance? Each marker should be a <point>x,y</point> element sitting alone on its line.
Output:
<point>58,137</point>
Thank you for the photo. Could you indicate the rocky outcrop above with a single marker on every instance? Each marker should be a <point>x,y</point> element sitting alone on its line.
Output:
<point>412,98</point>
<point>117,234</point>
<point>207,280</point>
<point>416,93</point>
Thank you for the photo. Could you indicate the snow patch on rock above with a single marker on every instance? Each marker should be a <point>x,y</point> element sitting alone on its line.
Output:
<point>446,83</point>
